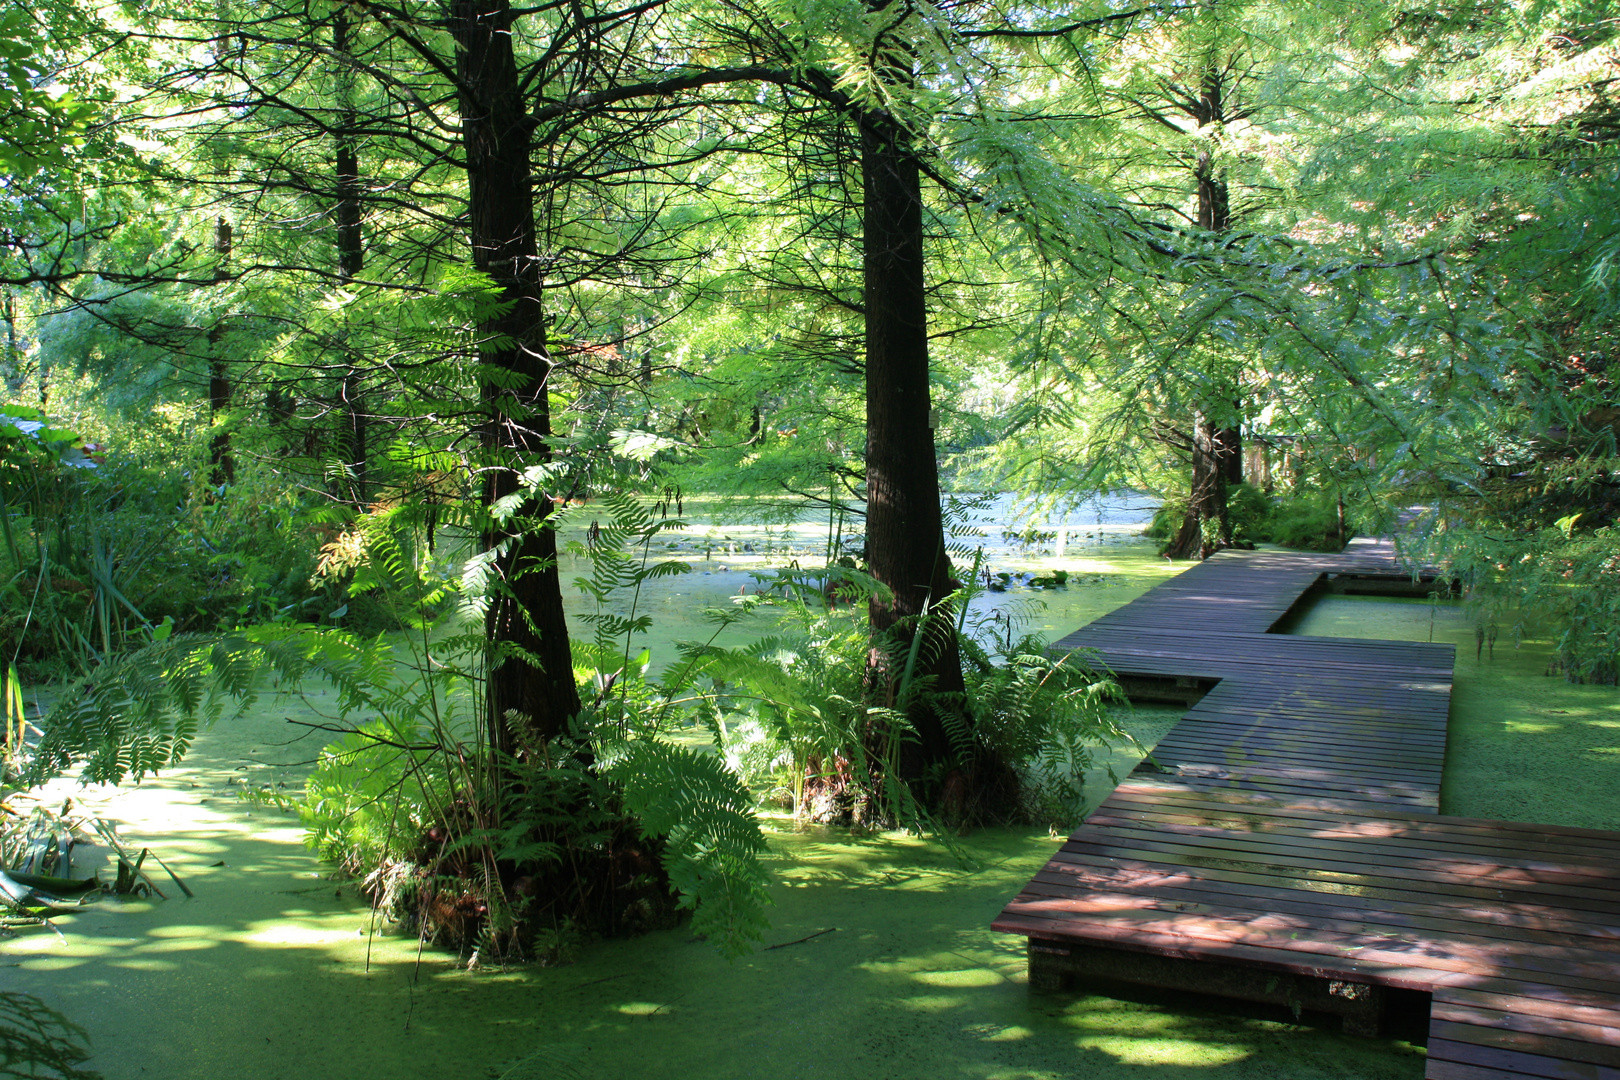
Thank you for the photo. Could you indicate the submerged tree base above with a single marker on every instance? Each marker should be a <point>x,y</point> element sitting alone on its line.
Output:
<point>538,916</point>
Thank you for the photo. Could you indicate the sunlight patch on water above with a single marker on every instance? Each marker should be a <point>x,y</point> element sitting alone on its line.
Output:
<point>959,977</point>
<point>1165,1052</point>
<point>299,936</point>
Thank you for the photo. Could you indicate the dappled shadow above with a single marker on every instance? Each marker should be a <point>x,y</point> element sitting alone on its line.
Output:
<point>909,983</point>
<point>264,976</point>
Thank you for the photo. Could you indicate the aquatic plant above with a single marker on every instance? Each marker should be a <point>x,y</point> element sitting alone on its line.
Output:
<point>790,708</point>
<point>609,827</point>
<point>39,1043</point>
<point>95,552</point>
<point>794,712</point>
<point>1561,582</point>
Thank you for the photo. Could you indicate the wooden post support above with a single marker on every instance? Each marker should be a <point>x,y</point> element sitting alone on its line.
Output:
<point>1057,965</point>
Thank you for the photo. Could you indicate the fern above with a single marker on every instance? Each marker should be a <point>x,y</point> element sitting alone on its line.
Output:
<point>618,551</point>
<point>1045,716</point>
<point>374,792</point>
<point>139,713</point>
<point>713,841</point>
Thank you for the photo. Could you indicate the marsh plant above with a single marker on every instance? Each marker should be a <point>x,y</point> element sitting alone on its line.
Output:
<point>609,829</point>
<point>39,1043</point>
<point>1561,581</point>
<point>794,714</point>
<point>95,553</point>
<point>623,821</point>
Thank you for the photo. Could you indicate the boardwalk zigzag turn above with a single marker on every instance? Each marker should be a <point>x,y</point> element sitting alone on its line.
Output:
<point>1284,842</point>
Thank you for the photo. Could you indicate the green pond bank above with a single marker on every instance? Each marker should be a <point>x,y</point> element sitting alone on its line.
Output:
<point>879,961</point>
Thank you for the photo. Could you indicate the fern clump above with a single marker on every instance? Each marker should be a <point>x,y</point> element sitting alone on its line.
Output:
<point>608,828</point>
<point>611,828</point>
<point>796,715</point>
<point>1045,716</point>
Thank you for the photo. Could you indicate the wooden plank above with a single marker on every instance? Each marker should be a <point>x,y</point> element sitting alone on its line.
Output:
<point>1526,1005</point>
<point>1438,1069</point>
<point>1416,965</point>
<point>1469,860</point>
<point>1160,875</point>
<point>1102,912</point>
<point>1389,916</point>
<point>1292,828</point>
<point>1503,885</point>
<point>1394,842</point>
<point>1599,1042</point>
<point>1511,1062</point>
<point>1564,843</point>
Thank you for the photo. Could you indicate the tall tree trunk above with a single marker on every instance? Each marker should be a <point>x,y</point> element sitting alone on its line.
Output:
<point>13,371</point>
<point>351,259</point>
<point>1229,453</point>
<point>1217,452</point>
<point>222,463</point>
<point>530,679</point>
<point>905,539</point>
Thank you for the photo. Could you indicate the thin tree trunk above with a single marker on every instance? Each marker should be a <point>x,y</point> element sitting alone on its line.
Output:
<point>1229,453</point>
<point>905,540</point>
<point>221,461</point>
<point>14,373</point>
<point>351,259</point>
<point>530,680</point>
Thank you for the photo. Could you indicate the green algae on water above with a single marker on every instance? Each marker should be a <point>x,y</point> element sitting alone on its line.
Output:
<point>1522,745</point>
<point>879,961</point>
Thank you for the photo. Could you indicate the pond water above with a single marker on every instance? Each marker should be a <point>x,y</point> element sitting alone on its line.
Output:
<point>1104,554</point>
<point>1520,746</point>
<point>881,964</point>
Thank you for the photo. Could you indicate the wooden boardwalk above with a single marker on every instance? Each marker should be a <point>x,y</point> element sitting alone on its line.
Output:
<point>1284,844</point>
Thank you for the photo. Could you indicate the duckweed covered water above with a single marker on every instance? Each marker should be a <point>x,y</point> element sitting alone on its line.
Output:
<point>1521,746</point>
<point>879,961</point>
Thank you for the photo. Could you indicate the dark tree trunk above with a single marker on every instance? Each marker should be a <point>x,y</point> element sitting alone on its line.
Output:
<point>905,539</point>
<point>222,463</point>
<point>1229,453</point>
<point>352,437</point>
<point>1207,526</point>
<point>530,681</point>
<point>1217,452</point>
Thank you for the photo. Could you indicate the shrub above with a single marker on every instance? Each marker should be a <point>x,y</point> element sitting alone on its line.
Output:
<point>95,557</point>
<point>1309,522</point>
<point>796,719</point>
<point>1560,580</point>
<point>1250,511</point>
<point>612,828</point>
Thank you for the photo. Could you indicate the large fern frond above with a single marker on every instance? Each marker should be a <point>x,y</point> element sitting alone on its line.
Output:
<point>714,841</point>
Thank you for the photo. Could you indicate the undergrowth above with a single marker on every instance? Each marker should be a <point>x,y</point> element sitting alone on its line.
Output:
<point>1307,521</point>
<point>616,825</point>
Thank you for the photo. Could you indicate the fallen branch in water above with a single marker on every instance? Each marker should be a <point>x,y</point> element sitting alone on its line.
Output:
<point>799,941</point>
